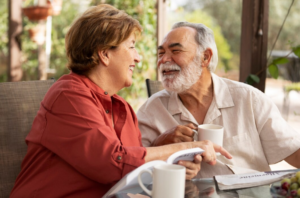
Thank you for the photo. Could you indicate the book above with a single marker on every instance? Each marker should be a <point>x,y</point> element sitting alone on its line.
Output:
<point>131,179</point>
<point>229,182</point>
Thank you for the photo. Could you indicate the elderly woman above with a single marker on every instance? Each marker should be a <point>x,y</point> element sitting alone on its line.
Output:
<point>85,137</point>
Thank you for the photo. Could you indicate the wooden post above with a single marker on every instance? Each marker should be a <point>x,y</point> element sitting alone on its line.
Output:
<point>161,24</point>
<point>42,67</point>
<point>14,70</point>
<point>254,40</point>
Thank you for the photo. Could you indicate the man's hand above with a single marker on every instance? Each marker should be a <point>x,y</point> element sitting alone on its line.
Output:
<point>210,149</point>
<point>192,168</point>
<point>180,133</point>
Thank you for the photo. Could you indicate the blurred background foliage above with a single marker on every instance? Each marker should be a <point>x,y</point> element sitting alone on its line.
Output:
<point>222,16</point>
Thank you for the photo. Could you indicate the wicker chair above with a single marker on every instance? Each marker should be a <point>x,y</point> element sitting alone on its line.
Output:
<point>153,86</point>
<point>19,103</point>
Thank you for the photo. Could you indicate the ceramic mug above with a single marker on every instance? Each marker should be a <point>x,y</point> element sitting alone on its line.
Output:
<point>211,132</point>
<point>168,181</point>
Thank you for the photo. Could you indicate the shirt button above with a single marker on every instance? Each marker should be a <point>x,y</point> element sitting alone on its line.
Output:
<point>105,93</point>
<point>119,157</point>
<point>107,111</point>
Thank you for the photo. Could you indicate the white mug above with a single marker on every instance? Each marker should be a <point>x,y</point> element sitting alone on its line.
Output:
<point>168,181</point>
<point>211,132</point>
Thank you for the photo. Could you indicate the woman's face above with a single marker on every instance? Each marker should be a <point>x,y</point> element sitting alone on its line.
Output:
<point>124,59</point>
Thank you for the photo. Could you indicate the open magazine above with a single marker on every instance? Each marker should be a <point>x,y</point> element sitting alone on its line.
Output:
<point>228,182</point>
<point>131,179</point>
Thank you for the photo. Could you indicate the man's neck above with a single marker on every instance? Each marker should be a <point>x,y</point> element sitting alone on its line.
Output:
<point>198,98</point>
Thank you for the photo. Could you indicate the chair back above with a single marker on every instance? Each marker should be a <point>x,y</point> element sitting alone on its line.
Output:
<point>153,86</point>
<point>19,104</point>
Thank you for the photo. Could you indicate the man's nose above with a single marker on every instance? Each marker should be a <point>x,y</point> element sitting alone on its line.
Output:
<point>165,58</point>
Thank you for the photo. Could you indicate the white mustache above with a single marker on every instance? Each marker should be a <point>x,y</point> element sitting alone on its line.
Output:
<point>169,66</point>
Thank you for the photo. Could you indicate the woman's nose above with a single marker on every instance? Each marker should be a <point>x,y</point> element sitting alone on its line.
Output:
<point>137,57</point>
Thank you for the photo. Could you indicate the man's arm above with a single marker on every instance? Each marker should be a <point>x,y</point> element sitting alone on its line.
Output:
<point>294,159</point>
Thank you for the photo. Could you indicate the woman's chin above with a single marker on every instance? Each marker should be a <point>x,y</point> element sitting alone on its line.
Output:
<point>128,84</point>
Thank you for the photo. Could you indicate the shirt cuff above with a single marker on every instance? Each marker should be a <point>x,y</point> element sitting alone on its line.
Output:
<point>131,157</point>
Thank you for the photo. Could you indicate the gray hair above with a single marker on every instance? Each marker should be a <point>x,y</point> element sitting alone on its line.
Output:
<point>204,38</point>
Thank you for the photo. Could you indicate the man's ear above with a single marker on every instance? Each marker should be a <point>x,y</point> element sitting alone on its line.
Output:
<point>207,55</point>
<point>104,57</point>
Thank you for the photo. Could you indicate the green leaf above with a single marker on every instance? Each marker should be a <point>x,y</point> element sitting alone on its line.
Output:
<point>280,61</point>
<point>251,79</point>
<point>296,51</point>
<point>273,69</point>
<point>255,78</point>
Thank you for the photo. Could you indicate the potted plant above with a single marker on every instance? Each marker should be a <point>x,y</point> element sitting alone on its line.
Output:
<point>56,6</point>
<point>35,13</point>
<point>37,34</point>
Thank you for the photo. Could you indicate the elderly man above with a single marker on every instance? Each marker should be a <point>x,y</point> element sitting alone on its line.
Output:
<point>254,132</point>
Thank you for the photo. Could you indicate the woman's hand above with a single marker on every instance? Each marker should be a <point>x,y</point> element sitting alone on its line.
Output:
<point>192,168</point>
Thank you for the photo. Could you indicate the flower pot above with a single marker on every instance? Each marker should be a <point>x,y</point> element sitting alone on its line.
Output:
<point>35,13</point>
<point>37,34</point>
<point>56,6</point>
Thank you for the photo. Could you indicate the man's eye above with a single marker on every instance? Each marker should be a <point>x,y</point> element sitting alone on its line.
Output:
<point>175,51</point>
<point>132,47</point>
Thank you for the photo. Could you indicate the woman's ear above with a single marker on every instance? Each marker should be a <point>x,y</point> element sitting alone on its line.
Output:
<point>103,56</point>
<point>207,55</point>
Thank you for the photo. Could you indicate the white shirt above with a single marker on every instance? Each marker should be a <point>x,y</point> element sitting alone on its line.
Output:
<point>255,133</point>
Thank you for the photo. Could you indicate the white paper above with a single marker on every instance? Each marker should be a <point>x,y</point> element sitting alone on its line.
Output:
<point>250,178</point>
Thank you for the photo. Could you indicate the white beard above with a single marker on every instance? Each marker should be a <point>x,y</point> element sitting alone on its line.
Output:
<point>188,75</point>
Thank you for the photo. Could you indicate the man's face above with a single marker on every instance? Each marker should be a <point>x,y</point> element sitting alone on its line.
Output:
<point>179,60</point>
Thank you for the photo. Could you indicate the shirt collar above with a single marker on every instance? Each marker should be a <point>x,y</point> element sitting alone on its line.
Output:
<point>221,90</point>
<point>222,93</point>
<point>90,84</point>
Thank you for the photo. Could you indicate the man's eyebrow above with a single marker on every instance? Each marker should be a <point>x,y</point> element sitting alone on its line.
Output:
<point>160,47</point>
<point>170,46</point>
<point>175,45</point>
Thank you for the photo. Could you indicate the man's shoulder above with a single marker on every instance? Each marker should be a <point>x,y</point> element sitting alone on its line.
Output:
<point>235,85</point>
<point>157,100</point>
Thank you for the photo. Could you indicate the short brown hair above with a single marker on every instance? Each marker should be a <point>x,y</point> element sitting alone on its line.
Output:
<point>99,28</point>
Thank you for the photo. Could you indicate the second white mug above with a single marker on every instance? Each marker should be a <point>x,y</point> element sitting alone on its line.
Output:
<point>168,181</point>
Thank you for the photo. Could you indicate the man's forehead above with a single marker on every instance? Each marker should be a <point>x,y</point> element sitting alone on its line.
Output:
<point>181,35</point>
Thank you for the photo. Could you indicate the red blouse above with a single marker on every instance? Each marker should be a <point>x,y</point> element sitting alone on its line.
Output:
<point>73,148</point>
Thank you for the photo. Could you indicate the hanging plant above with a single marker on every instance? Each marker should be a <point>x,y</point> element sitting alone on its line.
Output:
<point>37,34</point>
<point>56,6</point>
<point>35,13</point>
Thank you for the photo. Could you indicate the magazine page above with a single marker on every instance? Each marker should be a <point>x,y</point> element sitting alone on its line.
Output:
<point>186,155</point>
<point>227,182</point>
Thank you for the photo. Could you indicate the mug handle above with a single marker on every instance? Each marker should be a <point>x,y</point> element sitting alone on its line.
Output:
<point>149,192</point>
